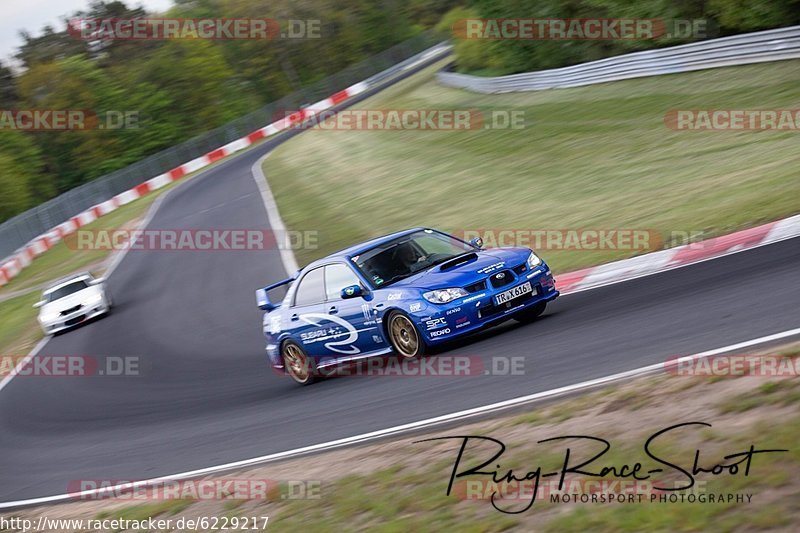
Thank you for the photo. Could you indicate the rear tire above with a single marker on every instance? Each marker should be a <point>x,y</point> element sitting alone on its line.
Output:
<point>404,336</point>
<point>531,314</point>
<point>297,364</point>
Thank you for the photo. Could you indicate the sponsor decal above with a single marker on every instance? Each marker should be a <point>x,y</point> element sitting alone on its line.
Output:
<point>453,310</point>
<point>344,328</point>
<point>492,267</point>
<point>435,323</point>
<point>394,296</point>
<point>534,273</point>
<point>415,307</point>
<point>473,298</point>
<point>439,333</point>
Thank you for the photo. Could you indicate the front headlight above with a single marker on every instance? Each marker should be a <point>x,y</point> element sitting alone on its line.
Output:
<point>93,300</point>
<point>442,296</point>
<point>534,261</point>
<point>48,318</point>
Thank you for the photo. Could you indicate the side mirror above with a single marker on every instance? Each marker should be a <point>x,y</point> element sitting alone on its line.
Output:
<point>477,242</point>
<point>39,304</point>
<point>352,291</point>
<point>263,301</point>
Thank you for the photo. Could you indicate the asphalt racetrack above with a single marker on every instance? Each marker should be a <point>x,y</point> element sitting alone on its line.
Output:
<point>208,397</point>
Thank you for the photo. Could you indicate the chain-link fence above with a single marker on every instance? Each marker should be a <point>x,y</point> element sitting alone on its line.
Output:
<point>17,231</point>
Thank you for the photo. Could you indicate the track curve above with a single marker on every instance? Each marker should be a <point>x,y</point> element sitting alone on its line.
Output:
<point>208,397</point>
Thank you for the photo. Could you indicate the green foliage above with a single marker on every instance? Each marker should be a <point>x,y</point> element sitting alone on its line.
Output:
<point>178,89</point>
<point>723,17</point>
<point>8,88</point>
<point>750,15</point>
<point>472,54</point>
<point>21,168</point>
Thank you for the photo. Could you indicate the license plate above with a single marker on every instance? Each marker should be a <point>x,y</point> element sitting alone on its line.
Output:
<point>515,292</point>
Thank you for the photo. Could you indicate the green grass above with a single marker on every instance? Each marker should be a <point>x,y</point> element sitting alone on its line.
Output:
<point>18,328</point>
<point>401,499</point>
<point>783,392</point>
<point>592,157</point>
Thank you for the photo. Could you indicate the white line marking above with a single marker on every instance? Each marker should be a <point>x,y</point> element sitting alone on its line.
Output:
<point>24,361</point>
<point>413,426</point>
<point>274,217</point>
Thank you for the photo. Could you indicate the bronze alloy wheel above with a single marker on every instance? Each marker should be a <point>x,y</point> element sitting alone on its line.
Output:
<point>297,363</point>
<point>404,336</point>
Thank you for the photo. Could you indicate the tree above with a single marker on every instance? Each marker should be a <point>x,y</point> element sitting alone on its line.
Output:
<point>8,88</point>
<point>21,174</point>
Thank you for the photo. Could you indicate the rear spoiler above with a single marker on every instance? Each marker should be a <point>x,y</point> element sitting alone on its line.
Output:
<point>262,295</point>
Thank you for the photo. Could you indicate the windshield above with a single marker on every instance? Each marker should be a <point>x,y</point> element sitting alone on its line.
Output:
<point>66,290</point>
<point>407,255</point>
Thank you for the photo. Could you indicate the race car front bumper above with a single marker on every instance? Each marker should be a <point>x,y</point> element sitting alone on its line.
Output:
<point>442,322</point>
<point>63,323</point>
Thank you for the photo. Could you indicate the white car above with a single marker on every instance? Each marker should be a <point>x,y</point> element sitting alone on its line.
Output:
<point>72,301</point>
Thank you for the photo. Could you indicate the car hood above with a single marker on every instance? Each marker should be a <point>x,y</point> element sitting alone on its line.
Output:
<point>479,267</point>
<point>76,298</point>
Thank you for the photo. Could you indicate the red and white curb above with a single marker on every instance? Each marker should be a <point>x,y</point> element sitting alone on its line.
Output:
<point>13,265</point>
<point>655,262</point>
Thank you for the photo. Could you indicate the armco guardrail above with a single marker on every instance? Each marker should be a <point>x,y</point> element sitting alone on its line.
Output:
<point>771,45</point>
<point>17,231</point>
<point>10,267</point>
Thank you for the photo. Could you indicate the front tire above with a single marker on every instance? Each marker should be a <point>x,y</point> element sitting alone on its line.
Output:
<point>298,365</point>
<point>404,336</point>
<point>532,313</point>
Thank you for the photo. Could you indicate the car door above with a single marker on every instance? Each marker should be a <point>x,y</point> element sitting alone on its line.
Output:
<point>359,331</point>
<point>306,324</point>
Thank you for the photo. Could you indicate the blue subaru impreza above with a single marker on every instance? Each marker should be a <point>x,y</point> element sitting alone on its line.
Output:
<point>400,293</point>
